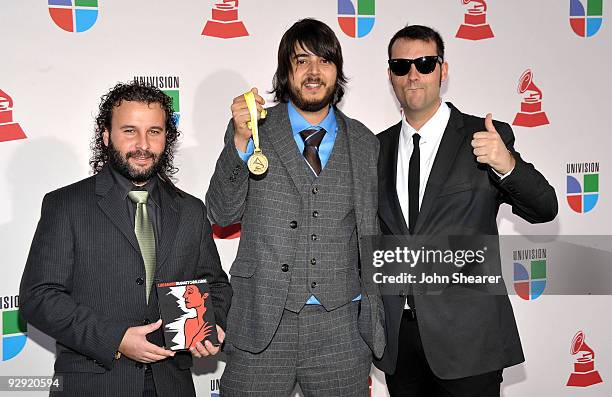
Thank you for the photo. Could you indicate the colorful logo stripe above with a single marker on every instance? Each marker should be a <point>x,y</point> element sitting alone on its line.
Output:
<point>530,287</point>
<point>14,337</point>
<point>586,22</point>
<point>74,16</point>
<point>583,201</point>
<point>356,22</point>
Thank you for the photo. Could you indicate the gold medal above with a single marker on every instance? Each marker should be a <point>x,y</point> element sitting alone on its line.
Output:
<point>258,163</point>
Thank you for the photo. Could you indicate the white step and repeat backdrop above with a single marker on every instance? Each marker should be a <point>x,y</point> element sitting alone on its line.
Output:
<point>541,65</point>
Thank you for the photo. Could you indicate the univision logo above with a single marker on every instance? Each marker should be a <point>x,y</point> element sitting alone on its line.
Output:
<point>169,85</point>
<point>14,328</point>
<point>214,387</point>
<point>529,272</point>
<point>356,22</point>
<point>74,15</point>
<point>586,22</point>
<point>582,186</point>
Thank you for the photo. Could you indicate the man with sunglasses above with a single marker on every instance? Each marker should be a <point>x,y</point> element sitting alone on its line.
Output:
<point>440,171</point>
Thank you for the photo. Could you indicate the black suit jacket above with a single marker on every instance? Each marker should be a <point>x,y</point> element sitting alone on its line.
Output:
<point>468,334</point>
<point>82,283</point>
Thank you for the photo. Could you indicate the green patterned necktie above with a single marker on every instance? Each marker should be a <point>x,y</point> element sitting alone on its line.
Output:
<point>144,233</point>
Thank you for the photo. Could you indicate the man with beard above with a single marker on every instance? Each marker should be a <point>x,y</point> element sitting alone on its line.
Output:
<point>301,313</point>
<point>103,242</point>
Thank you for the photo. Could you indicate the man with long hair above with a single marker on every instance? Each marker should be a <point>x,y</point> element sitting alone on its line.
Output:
<point>100,245</point>
<point>301,313</point>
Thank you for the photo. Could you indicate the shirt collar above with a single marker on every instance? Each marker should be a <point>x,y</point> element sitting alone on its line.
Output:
<point>125,186</point>
<point>432,129</point>
<point>299,123</point>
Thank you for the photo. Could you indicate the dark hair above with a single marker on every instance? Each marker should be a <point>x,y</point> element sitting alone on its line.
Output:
<point>201,288</point>
<point>418,32</point>
<point>316,37</point>
<point>137,92</point>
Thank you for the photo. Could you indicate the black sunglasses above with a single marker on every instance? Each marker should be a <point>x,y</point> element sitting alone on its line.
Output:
<point>424,65</point>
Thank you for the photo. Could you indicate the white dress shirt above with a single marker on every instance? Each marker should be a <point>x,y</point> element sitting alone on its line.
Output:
<point>431,136</point>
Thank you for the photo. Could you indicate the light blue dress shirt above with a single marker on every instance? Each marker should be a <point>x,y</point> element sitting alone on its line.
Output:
<point>299,124</point>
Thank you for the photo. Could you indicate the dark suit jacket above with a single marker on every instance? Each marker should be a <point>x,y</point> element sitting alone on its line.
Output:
<point>264,206</point>
<point>82,283</point>
<point>462,335</point>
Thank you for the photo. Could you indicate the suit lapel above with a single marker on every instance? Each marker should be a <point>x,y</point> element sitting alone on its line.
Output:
<point>170,218</point>
<point>452,139</point>
<point>390,210</point>
<point>113,205</point>
<point>358,160</point>
<point>281,138</point>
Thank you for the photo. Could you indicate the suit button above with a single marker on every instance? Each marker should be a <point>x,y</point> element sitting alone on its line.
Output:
<point>315,190</point>
<point>285,267</point>
<point>138,365</point>
<point>313,284</point>
<point>315,214</point>
<point>293,224</point>
<point>139,281</point>
<point>145,321</point>
<point>313,237</point>
<point>313,261</point>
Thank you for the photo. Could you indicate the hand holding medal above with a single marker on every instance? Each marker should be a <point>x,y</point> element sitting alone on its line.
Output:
<point>258,163</point>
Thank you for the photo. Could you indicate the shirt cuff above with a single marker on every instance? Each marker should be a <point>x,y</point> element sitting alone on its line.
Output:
<point>502,176</point>
<point>249,151</point>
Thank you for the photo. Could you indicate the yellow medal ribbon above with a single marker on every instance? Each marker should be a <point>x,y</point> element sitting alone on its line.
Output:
<point>257,163</point>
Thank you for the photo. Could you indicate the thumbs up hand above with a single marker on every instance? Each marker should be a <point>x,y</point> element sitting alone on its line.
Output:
<point>489,148</point>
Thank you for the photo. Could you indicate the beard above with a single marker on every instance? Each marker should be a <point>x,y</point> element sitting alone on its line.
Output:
<point>120,163</point>
<point>302,103</point>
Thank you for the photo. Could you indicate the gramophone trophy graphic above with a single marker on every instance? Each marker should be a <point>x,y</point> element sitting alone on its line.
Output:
<point>584,373</point>
<point>531,114</point>
<point>475,26</point>
<point>225,23</point>
<point>9,130</point>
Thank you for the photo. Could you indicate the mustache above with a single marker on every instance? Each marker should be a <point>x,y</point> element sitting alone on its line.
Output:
<point>313,80</point>
<point>140,153</point>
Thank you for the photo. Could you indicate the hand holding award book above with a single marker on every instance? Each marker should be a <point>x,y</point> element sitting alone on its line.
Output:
<point>188,317</point>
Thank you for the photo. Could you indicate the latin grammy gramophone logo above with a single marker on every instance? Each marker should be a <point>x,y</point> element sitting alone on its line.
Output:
<point>224,23</point>
<point>531,114</point>
<point>9,130</point>
<point>475,26</point>
<point>584,373</point>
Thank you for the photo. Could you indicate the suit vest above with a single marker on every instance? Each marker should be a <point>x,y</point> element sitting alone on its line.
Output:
<point>327,252</point>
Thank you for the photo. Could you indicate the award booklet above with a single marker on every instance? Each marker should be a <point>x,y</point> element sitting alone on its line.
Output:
<point>187,314</point>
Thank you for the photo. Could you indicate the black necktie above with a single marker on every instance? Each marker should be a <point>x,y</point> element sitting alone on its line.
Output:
<point>312,139</point>
<point>414,176</point>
